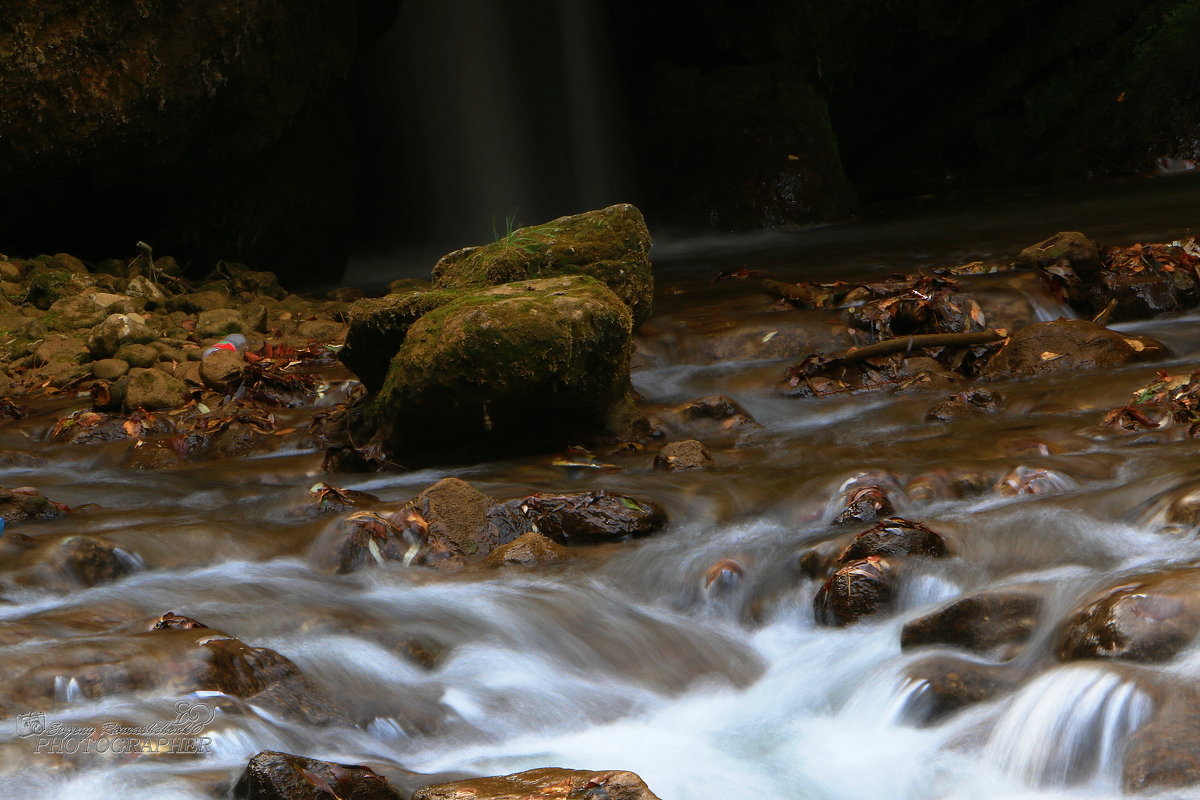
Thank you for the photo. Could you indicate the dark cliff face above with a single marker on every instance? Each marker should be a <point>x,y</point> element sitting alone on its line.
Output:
<point>921,96</point>
<point>211,130</point>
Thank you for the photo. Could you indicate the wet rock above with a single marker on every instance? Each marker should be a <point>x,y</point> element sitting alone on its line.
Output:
<point>528,548</point>
<point>610,244</point>
<point>168,659</point>
<point>116,330</point>
<point>154,390</point>
<point>1147,619</point>
<point>73,563</point>
<point>137,355</point>
<point>723,577</point>
<point>109,369</point>
<point>1066,248</point>
<point>980,622</point>
<point>953,683</point>
<point>222,370</point>
<point>1164,753</point>
<point>1067,345</point>
<point>515,368</point>
<point>458,518</point>
<point>157,454</point>
<point>587,517</point>
<point>272,775</point>
<point>26,503</point>
<point>864,504</point>
<point>93,427</point>
<point>895,536</point>
<point>544,784</point>
<point>1032,481</point>
<point>366,538</point>
<point>972,402</point>
<point>326,499</point>
<point>684,456</point>
<point>220,322</point>
<point>707,418</point>
<point>856,590</point>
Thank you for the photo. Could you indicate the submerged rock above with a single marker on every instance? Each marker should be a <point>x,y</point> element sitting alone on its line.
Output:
<point>544,784</point>
<point>610,244</point>
<point>512,368</point>
<point>952,683</point>
<point>169,655</point>
<point>684,456</point>
<point>272,775</point>
<point>528,548</point>
<point>1164,753</point>
<point>980,622</point>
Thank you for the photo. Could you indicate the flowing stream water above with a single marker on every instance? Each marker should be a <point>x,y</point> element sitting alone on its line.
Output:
<point>624,658</point>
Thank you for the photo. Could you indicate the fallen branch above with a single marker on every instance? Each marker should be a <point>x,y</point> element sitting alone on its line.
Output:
<point>916,342</point>
<point>1101,319</point>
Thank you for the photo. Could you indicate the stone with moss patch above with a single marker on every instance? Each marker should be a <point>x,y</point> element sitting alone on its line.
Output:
<point>610,244</point>
<point>512,368</point>
<point>378,326</point>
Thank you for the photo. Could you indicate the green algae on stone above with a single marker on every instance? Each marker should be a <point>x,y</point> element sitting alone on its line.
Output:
<point>610,244</point>
<point>378,326</point>
<point>517,366</point>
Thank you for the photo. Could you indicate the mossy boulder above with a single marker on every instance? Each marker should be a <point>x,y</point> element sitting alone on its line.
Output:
<point>610,244</point>
<point>220,322</point>
<point>117,330</point>
<point>378,326</point>
<point>45,284</point>
<point>516,367</point>
<point>154,390</point>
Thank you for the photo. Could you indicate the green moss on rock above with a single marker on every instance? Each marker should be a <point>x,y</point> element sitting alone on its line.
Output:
<point>610,244</point>
<point>510,368</point>
<point>377,329</point>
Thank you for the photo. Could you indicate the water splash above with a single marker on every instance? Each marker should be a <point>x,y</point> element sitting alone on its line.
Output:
<point>1067,727</point>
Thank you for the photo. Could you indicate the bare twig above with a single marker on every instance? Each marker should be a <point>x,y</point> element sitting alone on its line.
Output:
<point>1101,319</point>
<point>916,342</point>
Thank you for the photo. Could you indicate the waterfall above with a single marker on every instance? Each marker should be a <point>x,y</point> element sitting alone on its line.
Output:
<point>479,114</point>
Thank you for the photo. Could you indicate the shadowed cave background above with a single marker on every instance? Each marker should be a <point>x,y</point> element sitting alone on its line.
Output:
<point>291,136</point>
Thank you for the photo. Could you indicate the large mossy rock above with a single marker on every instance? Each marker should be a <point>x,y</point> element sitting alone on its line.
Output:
<point>514,367</point>
<point>610,244</point>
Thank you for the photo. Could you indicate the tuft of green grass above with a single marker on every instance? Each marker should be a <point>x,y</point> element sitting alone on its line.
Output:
<point>518,238</point>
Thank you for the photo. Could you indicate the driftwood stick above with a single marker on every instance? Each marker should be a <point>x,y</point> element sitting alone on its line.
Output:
<point>888,346</point>
<point>1101,319</point>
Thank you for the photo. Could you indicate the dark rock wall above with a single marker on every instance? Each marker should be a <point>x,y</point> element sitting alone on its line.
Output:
<point>211,130</point>
<point>922,96</point>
